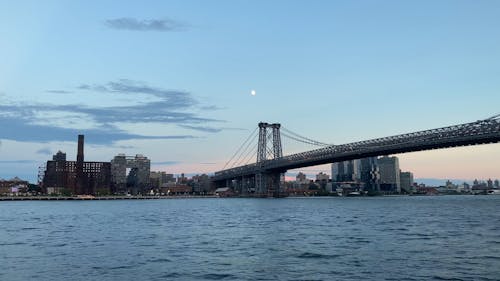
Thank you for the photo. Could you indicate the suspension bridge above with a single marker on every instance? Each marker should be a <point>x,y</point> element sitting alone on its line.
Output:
<point>264,177</point>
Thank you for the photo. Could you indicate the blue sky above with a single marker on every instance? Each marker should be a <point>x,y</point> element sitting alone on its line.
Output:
<point>172,79</point>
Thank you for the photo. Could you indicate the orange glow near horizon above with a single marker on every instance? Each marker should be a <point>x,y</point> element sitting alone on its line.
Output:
<point>471,162</point>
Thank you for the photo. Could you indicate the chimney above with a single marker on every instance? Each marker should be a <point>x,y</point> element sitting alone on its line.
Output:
<point>79,156</point>
<point>80,185</point>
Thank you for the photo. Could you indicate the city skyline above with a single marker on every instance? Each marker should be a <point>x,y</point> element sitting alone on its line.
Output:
<point>184,83</point>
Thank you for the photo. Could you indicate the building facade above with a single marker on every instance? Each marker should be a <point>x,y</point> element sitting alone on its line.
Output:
<point>13,186</point>
<point>59,156</point>
<point>370,175</point>
<point>389,174</point>
<point>77,177</point>
<point>346,171</point>
<point>137,180</point>
<point>406,179</point>
<point>322,177</point>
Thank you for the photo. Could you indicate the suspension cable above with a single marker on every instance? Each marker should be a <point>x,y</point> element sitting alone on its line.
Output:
<point>310,141</point>
<point>302,140</point>
<point>248,156</point>
<point>235,163</point>
<point>295,139</point>
<point>251,154</point>
<point>237,151</point>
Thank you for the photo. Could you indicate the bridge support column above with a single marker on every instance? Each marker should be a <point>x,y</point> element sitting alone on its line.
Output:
<point>240,185</point>
<point>268,184</point>
<point>244,186</point>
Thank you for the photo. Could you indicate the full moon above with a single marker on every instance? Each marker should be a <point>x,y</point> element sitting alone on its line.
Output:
<point>252,92</point>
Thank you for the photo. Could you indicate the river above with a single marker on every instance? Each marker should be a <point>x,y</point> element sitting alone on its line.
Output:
<point>378,238</point>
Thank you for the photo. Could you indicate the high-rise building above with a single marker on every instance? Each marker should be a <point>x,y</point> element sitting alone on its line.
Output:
<point>337,169</point>
<point>497,184</point>
<point>301,177</point>
<point>167,178</point>
<point>59,156</point>
<point>322,177</point>
<point>346,171</point>
<point>369,174</point>
<point>406,179</point>
<point>201,184</point>
<point>490,183</point>
<point>139,166</point>
<point>119,173</point>
<point>389,174</point>
<point>157,179</point>
<point>143,165</point>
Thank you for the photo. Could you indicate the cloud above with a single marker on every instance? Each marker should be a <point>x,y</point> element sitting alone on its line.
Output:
<point>201,129</point>
<point>211,107</point>
<point>40,133</point>
<point>51,122</point>
<point>17,161</point>
<point>58,92</point>
<point>162,25</point>
<point>210,129</point>
<point>169,106</point>
<point>45,151</point>
<point>170,98</point>
<point>234,129</point>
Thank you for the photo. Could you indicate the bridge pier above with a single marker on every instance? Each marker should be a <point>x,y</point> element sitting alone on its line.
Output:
<point>269,184</point>
<point>247,184</point>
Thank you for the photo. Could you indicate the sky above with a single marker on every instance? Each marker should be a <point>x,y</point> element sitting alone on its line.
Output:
<point>172,80</point>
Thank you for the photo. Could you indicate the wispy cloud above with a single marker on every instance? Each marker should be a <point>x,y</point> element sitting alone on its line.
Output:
<point>211,107</point>
<point>234,129</point>
<point>171,98</point>
<point>58,92</point>
<point>24,131</point>
<point>51,122</point>
<point>162,25</point>
<point>201,128</point>
<point>44,151</point>
<point>170,106</point>
<point>17,161</point>
<point>210,129</point>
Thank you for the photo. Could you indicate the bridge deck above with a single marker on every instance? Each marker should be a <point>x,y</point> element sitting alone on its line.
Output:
<point>479,132</point>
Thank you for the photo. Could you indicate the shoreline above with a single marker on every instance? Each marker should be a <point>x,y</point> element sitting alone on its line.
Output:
<point>104,198</point>
<point>108,198</point>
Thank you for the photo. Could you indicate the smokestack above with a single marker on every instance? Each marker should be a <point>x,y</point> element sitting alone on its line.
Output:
<point>80,185</point>
<point>79,155</point>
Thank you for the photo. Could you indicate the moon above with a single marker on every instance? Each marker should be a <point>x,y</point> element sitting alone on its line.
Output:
<point>253,93</point>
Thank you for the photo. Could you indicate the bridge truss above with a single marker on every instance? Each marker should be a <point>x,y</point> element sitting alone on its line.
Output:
<point>474,133</point>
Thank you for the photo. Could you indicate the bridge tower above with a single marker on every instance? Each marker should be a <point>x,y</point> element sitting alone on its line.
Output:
<point>269,148</point>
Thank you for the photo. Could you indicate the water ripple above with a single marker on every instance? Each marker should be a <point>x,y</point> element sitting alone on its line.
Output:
<point>417,238</point>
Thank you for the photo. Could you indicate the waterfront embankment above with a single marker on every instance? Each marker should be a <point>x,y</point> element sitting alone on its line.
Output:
<point>81,198</point>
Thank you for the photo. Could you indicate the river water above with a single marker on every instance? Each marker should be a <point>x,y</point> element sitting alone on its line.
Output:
<point>380,238</point>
